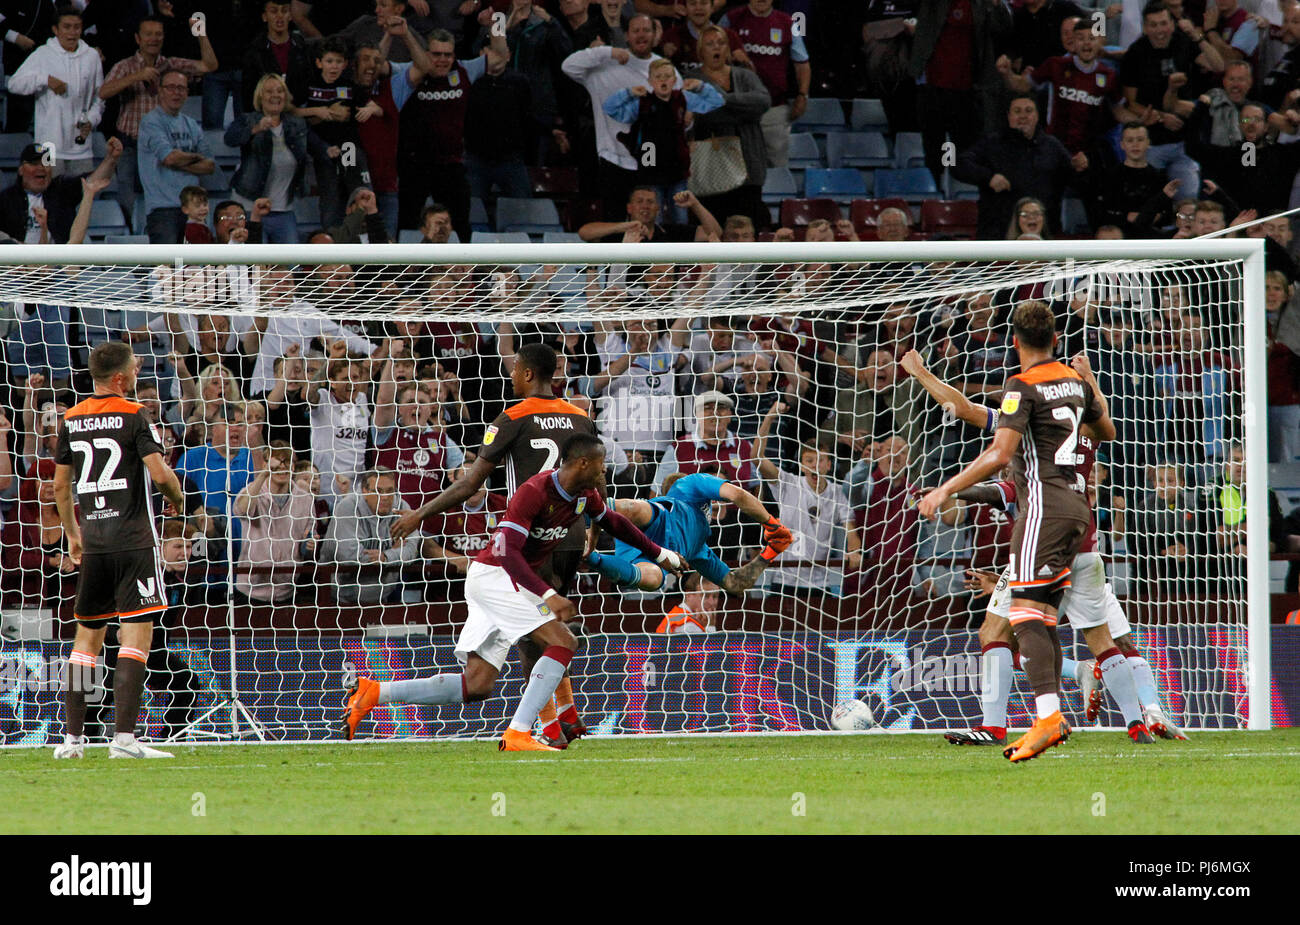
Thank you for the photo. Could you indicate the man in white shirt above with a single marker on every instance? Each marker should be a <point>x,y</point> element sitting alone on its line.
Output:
<point>300,325</point>
<point>340,426</point>
<point>602,71</point>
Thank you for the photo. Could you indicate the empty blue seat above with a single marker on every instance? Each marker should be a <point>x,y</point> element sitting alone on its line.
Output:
<point>502,237</point>
<point>409,236</point>
<point>781,183</point>
<point>857,149</point>
<point>560,237</point>
<point>478,217</point>
<point>11,149</point>
<point>822,115</point>
<point>908,150</point>
<point>912,183</point>
<point>126,239</point>
<point>222,153</point>
<point>868,116</point>
<point>960,190</point>
<point>804,152</point>
<point>843,184</point>
<point>532,216</point>
<point>106,218</point>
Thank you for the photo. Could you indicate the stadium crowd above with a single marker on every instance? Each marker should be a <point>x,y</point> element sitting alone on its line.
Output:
<point>301,438</point>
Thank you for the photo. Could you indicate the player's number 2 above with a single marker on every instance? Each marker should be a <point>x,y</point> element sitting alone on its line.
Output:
<point>106,481</point>
<point>552,451</point>
<point>1066,456</point>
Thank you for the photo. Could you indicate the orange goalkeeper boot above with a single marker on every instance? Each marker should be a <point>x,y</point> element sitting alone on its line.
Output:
<point>516,741</point>
<point>1044,734</point>
<point>362,698</point>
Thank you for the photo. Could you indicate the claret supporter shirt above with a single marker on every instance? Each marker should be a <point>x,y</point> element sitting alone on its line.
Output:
<point>771,45</point>
<point>433,115</point>
<point>1078,110</point>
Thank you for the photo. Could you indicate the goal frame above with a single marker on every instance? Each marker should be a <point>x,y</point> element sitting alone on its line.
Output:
<point>1249,251</point>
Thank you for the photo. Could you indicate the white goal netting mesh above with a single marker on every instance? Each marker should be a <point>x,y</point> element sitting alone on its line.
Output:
<point>306,407</point>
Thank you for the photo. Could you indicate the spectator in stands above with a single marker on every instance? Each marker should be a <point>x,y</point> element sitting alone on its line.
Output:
<point>134,82</point>
<point>363,223</point>
<point>194,206</point>
<point>1263,180</point>
<point>658,118</point>
<point>537,47</point>
<point>1164,534</point>
<point>435,224</point>
<point>212,474</point>
<point>64,75</point>
<point>27,24</point>
<point>954,60</point>
<point>172,151</point>
<point>813,506</point>
<point>716,353</point>
<point>981,348</point>
<point>744,102</point>
<point>681,38</point>
<point>277,520</point>
<point>340,422</point>
<point>371,29</point>
<point>410,439</point>
<point>1036,27</point>
<point>1184,217</point>
<point>1028,218</point>
<point>1196,381</point>
<point>43,541</point>
<point>602,71</point>
<point>776,48</point>
<point>584,29</point>
<point>710,447</point>
<point>431,140</point>
<point>499,131</point>
<point>276,51</point>
<point>330,109</point>
<point>275,146</point>
<point>38,192</point>
<point>1283,369</point>
<point>1232,30</point>
<point>890,526</point>
<point>701,598</point>
<point>893,224</point>
<point>1022,160</point>
<point>452,540</point>
<point>41,416</point>
<point>1133,195</point>
<point>1165,60</point>
<point>643,222</point>
<point>359,541</point>
<point>1278,86</point>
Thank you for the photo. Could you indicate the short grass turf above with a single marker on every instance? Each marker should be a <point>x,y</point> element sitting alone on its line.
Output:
<point>1097,783</point>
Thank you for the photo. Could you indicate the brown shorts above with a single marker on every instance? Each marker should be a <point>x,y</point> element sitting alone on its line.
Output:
<point>1042,549</point>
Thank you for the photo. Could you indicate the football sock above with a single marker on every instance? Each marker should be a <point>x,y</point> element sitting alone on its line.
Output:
<point>1145,681</point>
<point>550,723</point>
<point>995,684</point>
<point>564,700</point>
<point>441,688</point>
<point>1117,675</point>
<point>623,573</point>
<point>81,668</point>
<point>541,687</point>
<point>1040,652</point>
<point>1069,668</point>
<point>1047,704</point>
<point>128,688</point>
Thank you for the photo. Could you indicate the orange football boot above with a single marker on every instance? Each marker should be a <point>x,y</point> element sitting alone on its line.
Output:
<point>362,698</point>
<point>516,741</point>
<point>1045,733</point>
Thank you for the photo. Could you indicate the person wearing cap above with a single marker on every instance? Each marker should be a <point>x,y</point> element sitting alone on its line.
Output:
<point>363,223</point>
<point>37,187</point>
<point>64,75</point>
<point>711,447</point>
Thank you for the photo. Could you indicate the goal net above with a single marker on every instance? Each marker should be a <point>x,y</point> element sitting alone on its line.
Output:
<point>307,396</point>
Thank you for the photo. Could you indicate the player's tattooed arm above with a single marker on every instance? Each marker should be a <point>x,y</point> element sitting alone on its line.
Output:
<point>739,580</point>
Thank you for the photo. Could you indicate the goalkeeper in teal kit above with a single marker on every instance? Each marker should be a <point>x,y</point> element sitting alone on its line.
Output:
<point>680,518</point>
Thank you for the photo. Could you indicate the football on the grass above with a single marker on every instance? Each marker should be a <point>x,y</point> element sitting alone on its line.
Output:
<point>852,715</point>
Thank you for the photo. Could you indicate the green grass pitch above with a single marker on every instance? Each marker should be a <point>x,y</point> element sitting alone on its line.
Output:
<point>1096,783</point>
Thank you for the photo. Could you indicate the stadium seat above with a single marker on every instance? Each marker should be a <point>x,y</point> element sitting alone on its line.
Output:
<point>822,115</point>
<point>532,216</point>
<point>222,153</point>
<point>8,178</point>
<point>956,218</point>
<point>556,183</point>
<point>106,217</point>
<point>908,150</point>
<point>478,216</point>
<point>126,239</point>
<point>11,149</point>
<point>802,211</point>
<point>913,184</point>
<point>501,237</point>
<point>960,190</point>
<point>193,108</point>
<point>842,184</point>
<point>409,236</point>
<point>579,211</point>
<point>868,116</point>
<point>560,237</point>
<point>804,152</point>
<point>781,183</point>
<point>865,212</point>
<point>857,149</point>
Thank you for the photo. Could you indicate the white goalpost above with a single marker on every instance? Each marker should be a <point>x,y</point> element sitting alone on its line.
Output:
<point>308,395</point>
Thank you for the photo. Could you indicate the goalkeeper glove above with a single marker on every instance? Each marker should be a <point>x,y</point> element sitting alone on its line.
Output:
<point>778,538</point>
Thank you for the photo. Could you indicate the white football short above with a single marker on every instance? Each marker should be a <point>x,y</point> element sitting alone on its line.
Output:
<point>1089,601</point>
<point>499,614</point>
